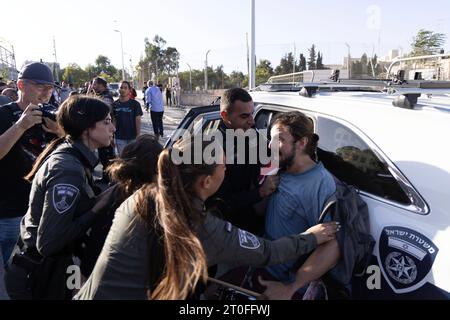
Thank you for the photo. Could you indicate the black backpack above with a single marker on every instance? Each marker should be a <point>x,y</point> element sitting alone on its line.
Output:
<point>355,241</point>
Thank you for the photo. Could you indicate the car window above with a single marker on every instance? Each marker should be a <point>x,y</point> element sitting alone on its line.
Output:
<point>350,159</point>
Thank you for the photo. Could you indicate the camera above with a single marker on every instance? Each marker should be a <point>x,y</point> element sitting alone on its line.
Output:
<point>48,110</point>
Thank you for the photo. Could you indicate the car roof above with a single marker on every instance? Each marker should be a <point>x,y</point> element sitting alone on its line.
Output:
<point>411,138</point>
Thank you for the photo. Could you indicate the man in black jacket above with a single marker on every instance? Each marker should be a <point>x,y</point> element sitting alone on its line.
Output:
<point>240,190</point>
<point>105,154</point>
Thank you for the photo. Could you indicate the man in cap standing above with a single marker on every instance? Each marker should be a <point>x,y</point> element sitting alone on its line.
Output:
<point>22,138</point>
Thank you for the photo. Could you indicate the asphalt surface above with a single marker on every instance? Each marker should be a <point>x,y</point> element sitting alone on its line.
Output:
<point>172,118</point>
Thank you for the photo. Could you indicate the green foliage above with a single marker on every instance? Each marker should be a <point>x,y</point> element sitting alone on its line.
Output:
<point>319,63</point>
<point>362,69</point>
<point>158,60</point>
<point>263,71</point>
<point>427,43</point>
<point>302,63</point>
<point>286,64</point>
<point>104,67</point>
<point>4,74</point>
<point>312,58</point>
<point>73,73</point>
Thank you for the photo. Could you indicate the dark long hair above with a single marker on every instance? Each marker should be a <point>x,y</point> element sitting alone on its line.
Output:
<point>185,259</point>
<point>136,165</point>
<point>77,114</point>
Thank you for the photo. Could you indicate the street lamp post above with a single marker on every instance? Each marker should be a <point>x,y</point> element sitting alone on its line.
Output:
<point>121,46</point>
<point>348,60</point>
<point>190,77</point>
<point>252,77</point>
<point>206,71</point>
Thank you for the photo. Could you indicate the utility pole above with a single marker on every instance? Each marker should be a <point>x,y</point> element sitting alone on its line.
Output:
<point>293,63</point>
<point>190,78</point>
<point>348,61</point>
<point>251,83</point>
<point>121,46</point>
<point>248,56</point>
<point>55,72</point>
<point>206,71</point>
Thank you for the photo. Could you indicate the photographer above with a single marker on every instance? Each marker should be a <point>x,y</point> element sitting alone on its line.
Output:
<point>23,136</point>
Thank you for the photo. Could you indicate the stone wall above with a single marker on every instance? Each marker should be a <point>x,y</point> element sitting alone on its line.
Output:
<point>200,99</point>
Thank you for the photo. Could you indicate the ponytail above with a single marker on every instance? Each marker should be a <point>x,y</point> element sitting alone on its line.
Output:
<point>185,258</point>
<point>47,151</point>
<point>178,220</point>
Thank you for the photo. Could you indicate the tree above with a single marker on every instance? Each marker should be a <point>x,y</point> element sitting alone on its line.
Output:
<point>427,43</point>
<point>237,79</point>
<point>312,58</point>
<point>154,53</point>
<point>286,64</point>
<point>319,63</point>
<point>104,68</point>
<point>356,70</point>
<point>158,59</point>
<point>170,60</point>
<point>302,64</point>
<point>263,71</point>
<point>74,74</point>
<point>377,68</point>
<point>364,64</point>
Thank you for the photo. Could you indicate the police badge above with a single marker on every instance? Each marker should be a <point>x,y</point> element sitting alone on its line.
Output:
<point>406,257</point>
<point>248,240</point>
<point>64,196</point>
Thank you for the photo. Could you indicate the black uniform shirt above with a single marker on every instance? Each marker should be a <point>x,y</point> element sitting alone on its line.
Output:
<point>17,163</point>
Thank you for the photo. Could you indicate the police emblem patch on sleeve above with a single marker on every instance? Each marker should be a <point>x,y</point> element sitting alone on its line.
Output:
<point>248,240</point>
<point>64,196</point>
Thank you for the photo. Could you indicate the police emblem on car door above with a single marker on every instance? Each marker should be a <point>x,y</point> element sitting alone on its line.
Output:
<point>406,257</point>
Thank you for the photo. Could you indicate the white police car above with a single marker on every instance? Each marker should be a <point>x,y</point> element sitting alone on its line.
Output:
<point>390,142</point>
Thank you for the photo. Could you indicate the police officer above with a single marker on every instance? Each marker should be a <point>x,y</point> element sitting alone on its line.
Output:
<point>61,206</point>
<point>240,190</point>
<point>136,264</point>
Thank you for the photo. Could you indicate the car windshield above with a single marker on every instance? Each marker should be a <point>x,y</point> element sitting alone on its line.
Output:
<point>114,86</point>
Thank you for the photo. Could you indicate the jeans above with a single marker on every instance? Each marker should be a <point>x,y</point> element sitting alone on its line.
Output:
<point>157,122</point>
<point>9,233</point>
<point>121,143</point>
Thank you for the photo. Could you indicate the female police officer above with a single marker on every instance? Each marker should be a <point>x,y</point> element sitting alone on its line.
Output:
<point>61,206</point>
<point>162,239</point>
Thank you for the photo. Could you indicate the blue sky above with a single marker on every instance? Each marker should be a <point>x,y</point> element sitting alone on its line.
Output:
<point>84,29</point>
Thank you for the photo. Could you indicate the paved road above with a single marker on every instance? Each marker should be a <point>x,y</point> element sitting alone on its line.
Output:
<point>172,118</point>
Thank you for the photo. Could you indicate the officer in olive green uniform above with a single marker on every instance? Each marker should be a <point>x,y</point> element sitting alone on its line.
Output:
<point>129,263</point>
<point>60,212</point>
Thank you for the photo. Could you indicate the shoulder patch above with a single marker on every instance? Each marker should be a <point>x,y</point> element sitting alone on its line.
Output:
<point>248,240</point>
<point>64,196</point>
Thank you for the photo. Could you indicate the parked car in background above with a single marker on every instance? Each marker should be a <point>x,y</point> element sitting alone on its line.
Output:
<point>114,88</point>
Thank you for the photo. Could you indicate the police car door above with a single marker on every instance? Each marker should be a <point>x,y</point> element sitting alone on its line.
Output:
<point>404,255</point>
<point>404,260</point>
<point>198,119</point>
